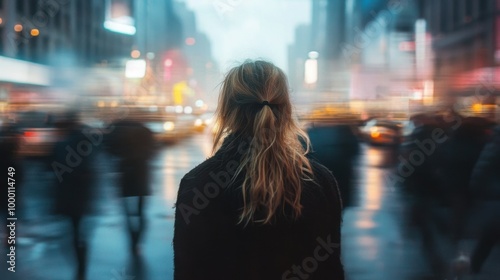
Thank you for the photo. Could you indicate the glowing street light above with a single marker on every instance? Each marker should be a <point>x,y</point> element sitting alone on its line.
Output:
<point>135,68</point>
<point>311,68</point>
<point>34,32</point>
<point>135,54</point>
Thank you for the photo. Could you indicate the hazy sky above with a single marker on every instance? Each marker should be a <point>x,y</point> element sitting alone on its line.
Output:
<point>240,29</point>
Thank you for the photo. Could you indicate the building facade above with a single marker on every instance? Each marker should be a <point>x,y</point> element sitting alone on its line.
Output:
<point>466,42</point>
<point>41,30</point>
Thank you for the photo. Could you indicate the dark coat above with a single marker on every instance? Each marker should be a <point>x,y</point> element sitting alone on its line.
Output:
<point>485,178</point>
<point>210,244</point>
<point>485,181</point>
<point>74,173</point>
<point>336,147</point>
<point>133,144</point>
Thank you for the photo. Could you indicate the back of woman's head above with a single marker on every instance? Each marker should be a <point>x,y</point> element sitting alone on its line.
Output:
<point>255,104</point>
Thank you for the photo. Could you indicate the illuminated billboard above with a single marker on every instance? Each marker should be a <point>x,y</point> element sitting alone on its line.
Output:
<point>119,17</point>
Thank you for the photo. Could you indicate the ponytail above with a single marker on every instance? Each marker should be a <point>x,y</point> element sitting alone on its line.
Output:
<point>275,166</point>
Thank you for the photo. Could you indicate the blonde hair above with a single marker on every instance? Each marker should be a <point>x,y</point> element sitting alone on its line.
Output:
<point>275,165</point>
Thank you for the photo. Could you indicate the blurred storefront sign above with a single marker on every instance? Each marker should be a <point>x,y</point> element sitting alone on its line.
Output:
<point>182,93</point>
<point>487,76</point>
<point>22,72</point>
<point>135,68</point>
<point>119,18</point>
<point>311,69</point>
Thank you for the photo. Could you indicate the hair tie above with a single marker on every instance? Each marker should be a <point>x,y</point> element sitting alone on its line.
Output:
<point>264,103</point>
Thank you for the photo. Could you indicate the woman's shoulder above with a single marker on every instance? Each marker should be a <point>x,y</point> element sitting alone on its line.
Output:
<point>225,159</point>
<point>322,173</point>
<point>327,182</point>
<point>201,174</point>
<point>203,168</point>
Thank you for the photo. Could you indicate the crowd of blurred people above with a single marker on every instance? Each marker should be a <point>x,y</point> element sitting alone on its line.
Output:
<point>452,188</point>
<point>71,163</point>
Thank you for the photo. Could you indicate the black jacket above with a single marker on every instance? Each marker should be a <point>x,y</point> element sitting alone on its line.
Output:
<point>133,143</point>
<point>73,173</point>
<point>209,244</point>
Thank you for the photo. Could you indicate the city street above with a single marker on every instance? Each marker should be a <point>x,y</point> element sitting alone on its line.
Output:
<point>376,242</point>
<point>106,104</point>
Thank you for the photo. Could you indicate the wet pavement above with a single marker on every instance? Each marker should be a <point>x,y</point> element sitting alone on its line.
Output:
<point>376,242</point>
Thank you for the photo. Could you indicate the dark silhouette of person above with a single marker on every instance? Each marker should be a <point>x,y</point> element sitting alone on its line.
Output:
<point>336,147</point>
<point>462,152</point>
<point>72,163</point>
<point>485,188</point>
<point>259,208</point>
<point>133,144</point>
<point>426,196</point>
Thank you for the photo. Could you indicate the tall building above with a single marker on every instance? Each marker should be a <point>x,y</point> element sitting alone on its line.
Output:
<point>94,39</point>
<point>466,41</point>
<point>56,43</point>
<point>40,31</point>
<point>159,28</point>
<point>297,56</point>
<point>203,70</point>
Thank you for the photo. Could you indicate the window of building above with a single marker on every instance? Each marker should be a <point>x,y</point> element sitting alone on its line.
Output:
<point>457,13</point>
<point>483,7</point>
<point>469,11</point>
<point>443,16</point>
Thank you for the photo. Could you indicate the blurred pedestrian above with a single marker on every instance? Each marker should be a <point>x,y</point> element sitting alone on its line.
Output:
<point>462,152</point>
<point>485,187</point>
<point>427,198</point>
<point>259,208</point>
<point>72,162</point>
<point>337,147</point>
<point>133,144</point>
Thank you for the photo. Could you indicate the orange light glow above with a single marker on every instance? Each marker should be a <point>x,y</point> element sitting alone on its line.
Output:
<point>374,133</point>
<point>135,54</point>
<point>18,28</point>
<point>35,32</point>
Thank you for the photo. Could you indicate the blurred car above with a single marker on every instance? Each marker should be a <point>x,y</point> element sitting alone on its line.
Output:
<point>37,131</point>
<point>170,128</point>
<point>330,114</point>
<point>203,121</point>
<point>382,132</point>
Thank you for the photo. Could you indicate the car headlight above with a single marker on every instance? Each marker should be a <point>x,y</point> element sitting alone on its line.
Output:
<point>374,132</point>
<point>188,110</point>
<point>168,126</point>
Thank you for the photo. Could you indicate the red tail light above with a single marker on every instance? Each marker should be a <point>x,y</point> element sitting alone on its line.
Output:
<point>29,134</point>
